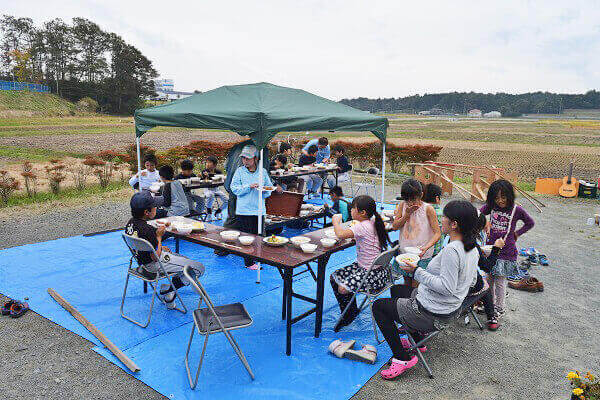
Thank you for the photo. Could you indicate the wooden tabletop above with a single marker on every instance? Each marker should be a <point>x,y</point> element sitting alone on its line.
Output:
<point>315,170</point>
<point>287,255</point>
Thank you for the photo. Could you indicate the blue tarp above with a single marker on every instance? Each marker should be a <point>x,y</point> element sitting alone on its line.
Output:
<point>89,272</point>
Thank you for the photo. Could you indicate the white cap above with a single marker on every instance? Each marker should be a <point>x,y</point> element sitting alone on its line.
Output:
<point>249,151</point>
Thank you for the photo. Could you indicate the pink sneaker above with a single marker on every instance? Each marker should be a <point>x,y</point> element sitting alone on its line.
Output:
<point>253,267</point>
<point>406,344</point>
<point>397,368</point>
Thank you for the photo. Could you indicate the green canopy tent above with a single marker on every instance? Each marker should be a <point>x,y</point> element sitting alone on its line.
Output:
<point>260,111</point>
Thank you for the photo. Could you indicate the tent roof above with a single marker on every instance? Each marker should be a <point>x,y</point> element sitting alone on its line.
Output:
<point>259,110</point>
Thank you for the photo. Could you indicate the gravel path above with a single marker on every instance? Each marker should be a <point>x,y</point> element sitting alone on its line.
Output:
<point>543,336</point>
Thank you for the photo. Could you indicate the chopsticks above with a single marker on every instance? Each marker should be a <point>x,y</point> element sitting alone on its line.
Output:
<point>222,243</point>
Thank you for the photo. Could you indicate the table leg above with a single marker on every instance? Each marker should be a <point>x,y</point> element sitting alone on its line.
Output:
<point>145,287</point>
<point>283,302</point>
<point>321,264</point>
<point>177,245</point>
<point>288,300</point>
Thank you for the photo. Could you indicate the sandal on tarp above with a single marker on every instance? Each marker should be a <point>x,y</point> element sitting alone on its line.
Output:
<point>17,309</point>
<point>6,307</point>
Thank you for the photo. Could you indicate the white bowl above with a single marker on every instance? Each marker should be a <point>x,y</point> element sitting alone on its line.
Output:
<point>246,240</point>
<point>388,213</point>
<point>330,233</point>
<point>304,213</point>
<point>229,236</point>
<point>308,247</point>
<point>413,258</point>
<point>299,240</point>
<point>183,228</point>
<point>280,171</point>
<point>412,250</point>
<point>328,242</point>
<point>218,177</point>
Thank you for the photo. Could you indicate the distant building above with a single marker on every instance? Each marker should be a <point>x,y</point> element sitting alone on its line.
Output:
<point>492,114</point>
<point>424,112</point>
<point>474,113</point>
<point>165,90</point>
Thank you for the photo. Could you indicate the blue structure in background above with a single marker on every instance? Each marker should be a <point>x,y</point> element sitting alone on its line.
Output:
<point>32,87</point>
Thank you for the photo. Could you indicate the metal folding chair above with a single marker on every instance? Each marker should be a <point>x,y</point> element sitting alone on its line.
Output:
<point>214,319</point>
<point>369,182</point>
<point>465,309</point>
<point>382,261</point>
<point>135,244</point>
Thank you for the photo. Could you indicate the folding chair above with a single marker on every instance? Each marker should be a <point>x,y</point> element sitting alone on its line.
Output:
<point>465,309</point>
<point>368,183</point>
<point>135,244</point>
<point>382,261</point>
<point>214,319</point>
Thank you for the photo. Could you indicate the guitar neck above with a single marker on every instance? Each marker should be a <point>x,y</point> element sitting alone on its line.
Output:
<point>570,172</point>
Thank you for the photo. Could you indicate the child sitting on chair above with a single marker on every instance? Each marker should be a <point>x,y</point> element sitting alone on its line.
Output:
<point>340,204</point>
<point>371,239</point>
<point>187,171</point>
<point>312,182</point>
<point>212,193</point>
<point>343,166</point>
<point>175,202</point>
<point>143,209</point>
<point>146,177</point>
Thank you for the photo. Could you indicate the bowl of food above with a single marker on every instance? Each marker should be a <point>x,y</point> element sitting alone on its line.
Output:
<point>299,240</point>
<point>328,242</point>
<point>275,241</point>
<point>402,259</point>
<point>331,165</point>
<point>218,177</point>
<point>306,206</point>
<point>304,213</point>
<point>155,187</point>
<point>308,247</point>
<point>229,236</point>
<point>306,168</point>
<point>183,228</point>
<point>280,171</point>
<point>198,226</point>
<point>268,188</point>
<point>330,233</point>
<point>412,250</point>
<point>296,169</point>
<point>320,165</point>
<point>388,213</point>
<point>246,240</point>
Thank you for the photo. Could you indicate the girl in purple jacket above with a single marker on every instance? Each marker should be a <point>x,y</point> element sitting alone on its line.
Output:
<point>504,215</point>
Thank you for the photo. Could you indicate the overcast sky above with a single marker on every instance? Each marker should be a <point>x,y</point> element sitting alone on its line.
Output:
<point>341,49</point>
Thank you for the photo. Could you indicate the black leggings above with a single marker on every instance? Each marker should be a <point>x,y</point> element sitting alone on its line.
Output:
<point>344,299</point>
<point>248,224</point>
<point>487,299</point>
<point>386,316</point>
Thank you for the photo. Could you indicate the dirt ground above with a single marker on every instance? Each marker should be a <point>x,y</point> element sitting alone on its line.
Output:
<point>543,336</point>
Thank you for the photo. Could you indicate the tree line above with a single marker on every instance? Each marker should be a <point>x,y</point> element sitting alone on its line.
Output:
<point>510,105</point>
<point>76,60</point>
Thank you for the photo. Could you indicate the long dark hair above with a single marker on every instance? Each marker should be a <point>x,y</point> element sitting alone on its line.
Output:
<point>367,204</point>
<point>504,187</point>
<point>465,215</point>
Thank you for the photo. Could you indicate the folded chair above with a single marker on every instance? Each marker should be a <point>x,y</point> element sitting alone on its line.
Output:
<point>382,261</point>
<point>135,244</point>
<point>369,182</point>
<point>214,319</point>
<point>465,309</point>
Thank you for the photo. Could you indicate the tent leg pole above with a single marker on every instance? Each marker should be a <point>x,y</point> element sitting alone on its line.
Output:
<point>260,201</point>
<point>382,176</point>
<point>139,156</point>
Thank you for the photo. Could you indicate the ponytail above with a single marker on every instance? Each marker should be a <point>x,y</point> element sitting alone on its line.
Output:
<point>367,204</point>
<point>465,215</point>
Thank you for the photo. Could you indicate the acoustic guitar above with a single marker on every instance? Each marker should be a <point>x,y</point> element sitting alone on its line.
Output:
<point>569,187</point>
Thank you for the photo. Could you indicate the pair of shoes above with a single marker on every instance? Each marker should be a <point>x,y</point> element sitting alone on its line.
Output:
<point>15,308</point>
<point>368,353</point>
<point>530,284</point>
<point>532,259</point>
<point>253,267</point>
<point>500,313</point>
<point>406,344</point>
<point>493,324</point>
<point>543,260</point>
<point>397,368</point>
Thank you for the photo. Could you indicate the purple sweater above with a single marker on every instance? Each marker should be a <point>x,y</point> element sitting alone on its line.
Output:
<point>499,225</point>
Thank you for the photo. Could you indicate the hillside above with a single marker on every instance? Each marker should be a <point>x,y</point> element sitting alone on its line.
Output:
<point>22,103</point>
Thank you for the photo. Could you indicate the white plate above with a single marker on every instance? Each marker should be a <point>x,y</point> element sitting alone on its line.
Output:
<point>282,241</point>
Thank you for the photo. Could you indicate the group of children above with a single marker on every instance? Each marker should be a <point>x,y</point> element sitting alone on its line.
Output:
<point>176,199</point>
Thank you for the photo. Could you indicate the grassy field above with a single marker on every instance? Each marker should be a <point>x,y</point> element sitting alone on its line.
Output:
<point>532,148</point>
<point>15,103</point>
